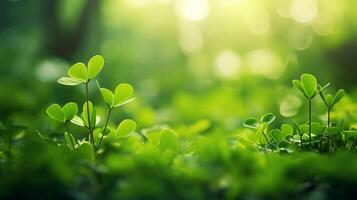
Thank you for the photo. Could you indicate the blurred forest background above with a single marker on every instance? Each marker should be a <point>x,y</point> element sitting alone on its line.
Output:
<point>188,60</point>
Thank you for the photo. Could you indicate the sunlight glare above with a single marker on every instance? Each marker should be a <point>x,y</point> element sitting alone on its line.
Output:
<point>227,64</point>
<point>193,10</point>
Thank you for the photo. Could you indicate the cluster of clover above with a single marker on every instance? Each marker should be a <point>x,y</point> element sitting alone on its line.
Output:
<point>308,136</point>
<point>80,74</point>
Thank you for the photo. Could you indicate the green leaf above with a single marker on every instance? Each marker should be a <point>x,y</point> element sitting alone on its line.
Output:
<point>92,115</point>
<point>169,141</point>
<point>70,140</point>
<point>287,129</point>
<point>55,112</point>
<point>276,135</point>
<point>95,65</point>
<point>251,123</point>
<point>340,93</point>
<point>317,128</point>
<point>297,85</point>
<point>70,111</point>
<point>123,94</point>
<point>69,81</point>
<point>268,118</point>
<point>320,89</point>
<point>108,96</point>
<point>333,131</point>
<point>78,71</point>
<point>125,128</point>
<point>78,121</point>
<point>309,84</point>
<point>329,100</point>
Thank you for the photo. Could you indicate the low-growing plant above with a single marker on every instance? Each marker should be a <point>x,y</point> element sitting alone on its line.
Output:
<point>262,126</point>
<point>308,86</point>
<point>80,74</point>
<point>313,135</point>
<point>330,101</point>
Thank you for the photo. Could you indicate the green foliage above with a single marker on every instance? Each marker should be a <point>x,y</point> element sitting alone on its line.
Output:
<point>123,94</point>
<point>95,65</point>
<point>80,74</point>
<point>331,100</point>
<point>125,128</point>
<point>65,114</point>
<point>308,137</point>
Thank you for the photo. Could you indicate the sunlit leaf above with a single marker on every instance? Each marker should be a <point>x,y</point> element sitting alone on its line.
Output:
<point>92,115</point>
<point>55,112</point>
<point>251,123</point>
<point>95,65</point>
<point>268,118</point>
<point>297,85</point>
<point>69,81</point>
<point>125,128</point>
<point>123,94</point>
<point>77,121</point>
<point>78,71</point>
<point>340,93</point>
<point>309,84</point>
<point>329,100</point>
<point>108,96</point>
<point>70,111</point>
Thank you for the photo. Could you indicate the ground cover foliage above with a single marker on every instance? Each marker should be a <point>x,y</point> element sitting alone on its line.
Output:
<point>91,158</point>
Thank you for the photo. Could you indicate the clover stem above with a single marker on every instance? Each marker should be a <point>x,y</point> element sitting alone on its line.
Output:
<point>329,118</point>
<point>105,127</point>
<point>310,119</point>
<point>266,138</point>
<point>91,137</point>
<point>65,125</point>
<point>301,144</point>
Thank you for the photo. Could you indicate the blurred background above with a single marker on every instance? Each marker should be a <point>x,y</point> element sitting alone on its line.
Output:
<point>189,60</point>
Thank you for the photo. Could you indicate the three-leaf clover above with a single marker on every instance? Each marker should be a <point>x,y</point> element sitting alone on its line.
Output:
<point>261,125</point>
<point>65,114</point>
<point>123,94</point>
<point>308,86</point>
<point>79,73</point>
<point>254,123</point>
<point>330,101</point>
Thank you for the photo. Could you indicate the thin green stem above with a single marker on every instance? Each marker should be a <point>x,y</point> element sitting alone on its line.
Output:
<point>266,138</point>
<point>328,117</point>
<point>65,125</point>
<point>301,144</point>
<point>91,137</point>
<point>310,119</point>
<point>70,138</point>
<point>105,128</point>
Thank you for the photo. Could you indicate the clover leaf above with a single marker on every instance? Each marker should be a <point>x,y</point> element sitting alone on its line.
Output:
<point>125,127</point>
<point>65,114</point>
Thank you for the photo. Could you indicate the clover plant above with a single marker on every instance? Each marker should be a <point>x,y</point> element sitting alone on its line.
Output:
<point>308,86</point>
<point>81,74</point>
<point>330,101</point>
<point>319,138</point>
<point>261,126</point>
